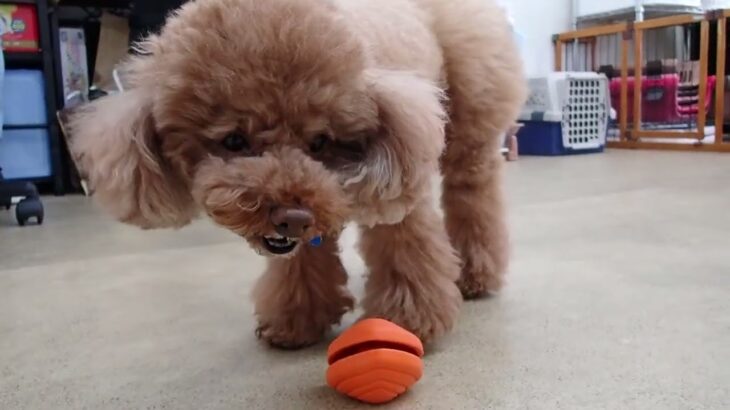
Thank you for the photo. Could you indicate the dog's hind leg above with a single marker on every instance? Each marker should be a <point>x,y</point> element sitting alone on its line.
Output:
<point>486,89</point>
<point>298,299</point>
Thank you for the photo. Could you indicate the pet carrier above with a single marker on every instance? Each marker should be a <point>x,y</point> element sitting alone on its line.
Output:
<point>566,113</point>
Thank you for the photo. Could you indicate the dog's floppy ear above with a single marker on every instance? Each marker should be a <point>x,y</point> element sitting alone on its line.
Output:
<point>412,118</point>
<point>115,147</point>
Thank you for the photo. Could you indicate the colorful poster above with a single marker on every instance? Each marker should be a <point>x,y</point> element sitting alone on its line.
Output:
<point>74,66</point>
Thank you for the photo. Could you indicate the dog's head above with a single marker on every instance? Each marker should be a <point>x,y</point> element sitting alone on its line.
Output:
<point>267,116</point>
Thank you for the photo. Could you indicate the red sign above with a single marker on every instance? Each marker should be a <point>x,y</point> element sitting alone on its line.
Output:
<point>19,27</point>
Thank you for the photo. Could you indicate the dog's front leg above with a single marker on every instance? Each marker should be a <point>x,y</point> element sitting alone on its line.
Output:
<point>413,270</point>
<point>299,298</point>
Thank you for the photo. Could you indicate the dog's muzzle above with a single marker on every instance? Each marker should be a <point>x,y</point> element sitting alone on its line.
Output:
<point>292,224</point>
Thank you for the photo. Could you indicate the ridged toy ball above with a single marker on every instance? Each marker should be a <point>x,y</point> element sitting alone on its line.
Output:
<point>374,361</point>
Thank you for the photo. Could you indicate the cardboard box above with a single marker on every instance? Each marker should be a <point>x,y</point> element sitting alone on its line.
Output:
<point>113,50</point>
<point>19,27</point>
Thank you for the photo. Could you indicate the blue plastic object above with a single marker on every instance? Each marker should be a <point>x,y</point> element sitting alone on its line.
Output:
<point>316,241</point>
<point>23,99</point>
<point>546,138</point>
<point>25,153</point>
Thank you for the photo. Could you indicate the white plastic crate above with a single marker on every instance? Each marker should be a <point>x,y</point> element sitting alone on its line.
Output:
<point>573,107</point>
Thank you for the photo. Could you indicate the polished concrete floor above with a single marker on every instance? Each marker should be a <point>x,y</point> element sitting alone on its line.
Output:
<point>619,298</point>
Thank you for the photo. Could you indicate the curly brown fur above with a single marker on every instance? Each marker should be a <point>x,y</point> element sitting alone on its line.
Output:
<point>413,270</point>
<point>300,298</point>
<point>335,108</point>
<point>481,111</point>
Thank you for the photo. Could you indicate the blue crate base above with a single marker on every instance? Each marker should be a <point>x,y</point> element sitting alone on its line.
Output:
<point>25,153</point>
<point>24,99</point>
<point>546,138</point>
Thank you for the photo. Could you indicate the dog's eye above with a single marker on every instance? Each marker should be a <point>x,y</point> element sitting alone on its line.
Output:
<point>235,142</point>
<point>319,143</point>
<point>351,150</point>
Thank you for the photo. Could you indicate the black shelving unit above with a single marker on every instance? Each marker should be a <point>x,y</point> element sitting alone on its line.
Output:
<point>110,4</point>
<point>15,59</point>
<point>44,60</point>
<point>66,13</point>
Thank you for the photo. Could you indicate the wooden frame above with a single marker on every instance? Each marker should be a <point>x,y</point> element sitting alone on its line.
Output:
<point>635,136</point>
<point>624,113</point>
<point>721,74</point>
<point>638,77</point>
<point>558,56</point>
<point>666,146</point>
<point>592,32</point>
<point>702,100</point>
<point>680,20</point>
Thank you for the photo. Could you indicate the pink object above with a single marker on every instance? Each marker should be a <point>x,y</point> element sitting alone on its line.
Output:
<point>660,99</point>
<point>513,153</point>
<point>511,142</point>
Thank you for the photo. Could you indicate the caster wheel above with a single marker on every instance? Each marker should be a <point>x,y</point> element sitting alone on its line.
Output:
<point>27,209</point>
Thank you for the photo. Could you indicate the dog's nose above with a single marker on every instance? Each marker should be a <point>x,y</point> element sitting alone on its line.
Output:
<point>291,222</point>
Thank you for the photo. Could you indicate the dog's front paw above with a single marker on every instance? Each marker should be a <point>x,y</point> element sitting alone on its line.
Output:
<point>289,336</point>
<point>480,276</point>
<point>427,312</point>
<point>305,326</point>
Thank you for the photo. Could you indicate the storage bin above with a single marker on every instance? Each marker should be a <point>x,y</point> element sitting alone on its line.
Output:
<point>23,100</point>
<point>25,153</point>
<point>663,98</point>
<point>566,113</point>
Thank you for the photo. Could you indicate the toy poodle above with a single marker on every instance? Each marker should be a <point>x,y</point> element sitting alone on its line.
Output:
<point>283,120</point>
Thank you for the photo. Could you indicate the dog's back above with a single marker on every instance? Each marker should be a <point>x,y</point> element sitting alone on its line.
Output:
<point>412,34</point>
<point>397,34</point>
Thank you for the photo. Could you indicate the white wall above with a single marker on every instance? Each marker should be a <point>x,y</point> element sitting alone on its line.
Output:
<point>537,21</point>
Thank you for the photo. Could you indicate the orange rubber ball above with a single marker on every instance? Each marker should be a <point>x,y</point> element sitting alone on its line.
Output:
<point>374,361</point>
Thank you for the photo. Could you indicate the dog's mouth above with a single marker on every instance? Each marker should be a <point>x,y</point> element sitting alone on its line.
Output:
<point>279,245</point>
